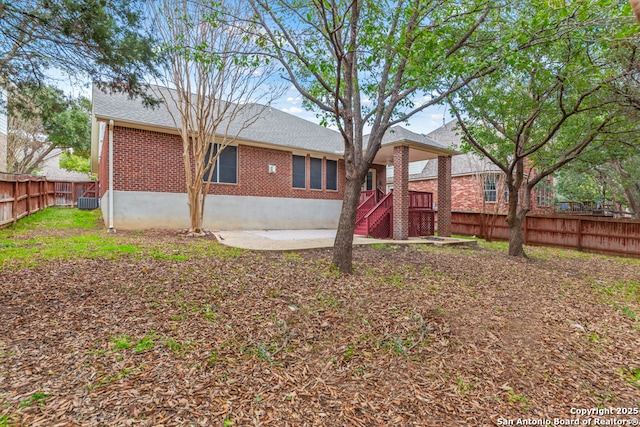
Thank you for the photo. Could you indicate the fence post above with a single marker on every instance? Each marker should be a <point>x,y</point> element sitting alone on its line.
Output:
<point>580,234</point>
<point>526,229</point>
<point>29,197</point>
<point>16,196</point>
<point>73,194</point>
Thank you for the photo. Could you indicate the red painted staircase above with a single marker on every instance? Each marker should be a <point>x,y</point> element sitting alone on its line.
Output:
<point>376,219</point>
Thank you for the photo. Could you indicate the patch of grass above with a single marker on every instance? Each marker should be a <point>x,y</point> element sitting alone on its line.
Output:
<point>327,300</point>
<point>5,421</point>
<point>292,256</point>
<point>383,246</point>
<point>177,346</point>
<point>394,279</point>
<point>514,397</point>
<point>161,256</point>
<point>145,343</point>
<point>122,342</point>
<point>55,218</point>
<point>38,398</point>
<point>349,352</point>
<point>108,379</point>
<point>463,386</point>
<point>631,375</point>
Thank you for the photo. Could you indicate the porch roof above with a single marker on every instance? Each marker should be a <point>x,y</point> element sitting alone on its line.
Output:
<point>421,147</point>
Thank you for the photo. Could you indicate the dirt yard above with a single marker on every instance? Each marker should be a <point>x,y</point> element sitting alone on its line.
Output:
<point>176,334</point>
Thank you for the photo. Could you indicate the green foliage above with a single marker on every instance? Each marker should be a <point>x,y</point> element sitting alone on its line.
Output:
<point>546,100</point>
<point>43,118</point>
<point>90,38</point>
<point>74,163</point>
<point>35,398</point>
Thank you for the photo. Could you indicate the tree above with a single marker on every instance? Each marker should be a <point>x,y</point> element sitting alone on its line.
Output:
<point>92,37</point>
<point>41,119</point>
<point>546,102</point>
<point>218,76</point>
<point>366,63</point>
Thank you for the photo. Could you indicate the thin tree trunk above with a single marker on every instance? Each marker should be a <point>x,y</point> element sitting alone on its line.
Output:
<point>343,247</point>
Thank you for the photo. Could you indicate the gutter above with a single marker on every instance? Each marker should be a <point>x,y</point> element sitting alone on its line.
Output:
<point>111,229</point>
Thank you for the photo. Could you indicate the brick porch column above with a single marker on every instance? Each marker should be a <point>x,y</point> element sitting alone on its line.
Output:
<point>400,193</point>
<point>444,196</point>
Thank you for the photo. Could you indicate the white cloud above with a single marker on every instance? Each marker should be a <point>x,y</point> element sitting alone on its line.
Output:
<point>292,110</point>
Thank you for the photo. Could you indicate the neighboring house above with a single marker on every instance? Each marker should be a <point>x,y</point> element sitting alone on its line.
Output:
<point>3,131</point>
<point>50,168</point>
<point>282,173</point>
<point>477,184</point>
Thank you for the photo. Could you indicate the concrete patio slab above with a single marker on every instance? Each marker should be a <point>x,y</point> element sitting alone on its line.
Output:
<point>287,240</point>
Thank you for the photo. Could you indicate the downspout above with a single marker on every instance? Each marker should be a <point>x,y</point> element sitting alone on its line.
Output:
<point>111,229</point>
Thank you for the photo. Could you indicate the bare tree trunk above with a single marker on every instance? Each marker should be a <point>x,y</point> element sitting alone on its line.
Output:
<point>343,247</point>
<point>516,214</point>
<point>516,238</point>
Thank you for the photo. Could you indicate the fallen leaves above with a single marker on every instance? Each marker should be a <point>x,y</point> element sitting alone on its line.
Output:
<point>416,337</point>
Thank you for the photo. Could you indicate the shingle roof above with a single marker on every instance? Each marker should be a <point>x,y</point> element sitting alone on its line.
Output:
<point>272,127</point>
<point>464,164</point>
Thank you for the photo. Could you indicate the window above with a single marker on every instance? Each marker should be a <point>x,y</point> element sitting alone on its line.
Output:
<point>315,171</point>
<point>490,188</point>
<point>506,194</point>
<point>332,175</point>
<point>225,168</point>
<point>299,172</point>
<point>544,194</point>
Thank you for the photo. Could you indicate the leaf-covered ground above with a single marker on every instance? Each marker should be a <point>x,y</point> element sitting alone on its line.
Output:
<point>179,331</point>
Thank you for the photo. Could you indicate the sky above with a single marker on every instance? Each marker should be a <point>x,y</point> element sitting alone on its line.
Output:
<point>424,122</point>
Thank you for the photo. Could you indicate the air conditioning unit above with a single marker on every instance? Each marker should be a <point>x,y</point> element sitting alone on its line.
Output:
<point>87,203</point>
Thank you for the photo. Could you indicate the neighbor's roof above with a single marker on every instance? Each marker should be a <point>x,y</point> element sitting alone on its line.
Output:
<point>273,127</point>
<point>465,164</point>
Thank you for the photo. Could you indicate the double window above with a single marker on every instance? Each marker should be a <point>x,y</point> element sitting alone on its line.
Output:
<point>299,176</point>
<point>225,168</point>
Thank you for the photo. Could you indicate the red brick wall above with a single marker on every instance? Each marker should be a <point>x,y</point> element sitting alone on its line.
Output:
<point>152,161</point>
<point>467,195</point>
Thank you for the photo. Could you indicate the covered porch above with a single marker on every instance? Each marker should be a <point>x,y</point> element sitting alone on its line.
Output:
<point>400,213</point>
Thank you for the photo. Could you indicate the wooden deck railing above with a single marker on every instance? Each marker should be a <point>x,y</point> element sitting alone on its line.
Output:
<point>22,195</point>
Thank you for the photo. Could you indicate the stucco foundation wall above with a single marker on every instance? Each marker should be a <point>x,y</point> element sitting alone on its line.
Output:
<point>136,210</point>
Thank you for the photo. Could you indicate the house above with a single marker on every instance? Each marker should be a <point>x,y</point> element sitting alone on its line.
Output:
<point>477,184</point>
<point>283,172</point>
<point>50,168</point>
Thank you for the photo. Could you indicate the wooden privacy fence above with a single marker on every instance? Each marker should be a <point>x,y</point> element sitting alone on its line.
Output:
<point>22,195</point>
<point>591,234</point>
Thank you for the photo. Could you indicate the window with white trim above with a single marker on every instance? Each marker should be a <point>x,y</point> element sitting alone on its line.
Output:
<point>544,194</point>
<point>490,188</point>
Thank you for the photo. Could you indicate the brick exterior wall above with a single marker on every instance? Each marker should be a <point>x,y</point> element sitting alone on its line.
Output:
<point>152,161</point>
<point>400,193</point>
<point>467,195</point>
<point>444,190</point>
